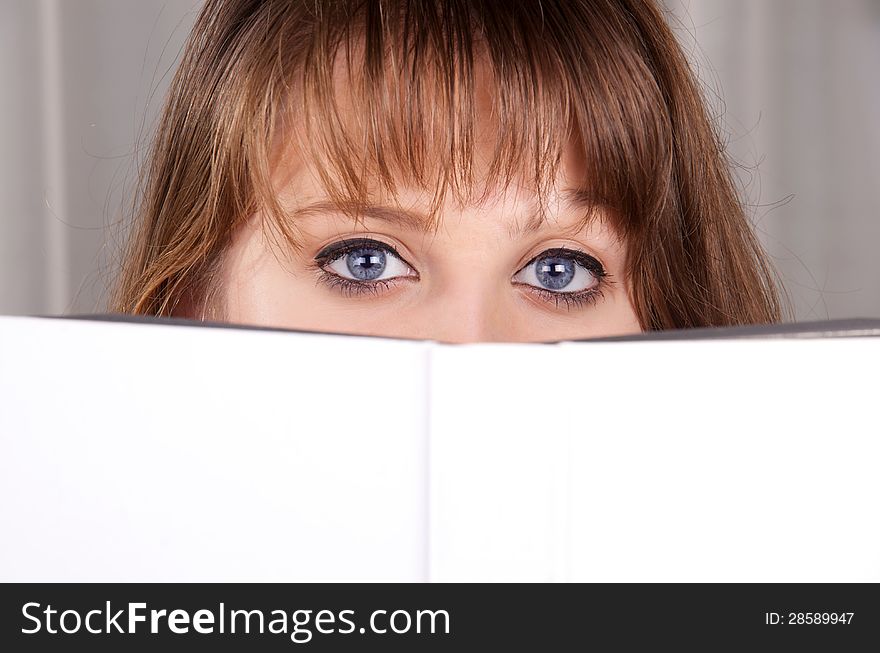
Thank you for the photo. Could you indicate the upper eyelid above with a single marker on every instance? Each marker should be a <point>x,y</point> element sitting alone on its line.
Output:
<point>342,246</point>
<point>575,254</point>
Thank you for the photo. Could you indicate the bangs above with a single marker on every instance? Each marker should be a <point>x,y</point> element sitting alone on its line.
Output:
<point>384,94</point>
<point>467,96</point>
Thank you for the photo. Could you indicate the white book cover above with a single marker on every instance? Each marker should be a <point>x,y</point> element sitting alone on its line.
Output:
<point>141,451</point>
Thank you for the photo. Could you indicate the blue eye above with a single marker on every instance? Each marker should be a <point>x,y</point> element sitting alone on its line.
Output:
<point>363,260</point>
<point>365,263</point>
<point>555,272</point>
<point>562,271</point>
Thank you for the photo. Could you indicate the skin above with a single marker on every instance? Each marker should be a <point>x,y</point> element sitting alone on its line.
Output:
<point>460,284</point>
<point>465,281</point>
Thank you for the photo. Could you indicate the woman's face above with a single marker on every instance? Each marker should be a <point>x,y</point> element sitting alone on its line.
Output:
<point>486,273</point>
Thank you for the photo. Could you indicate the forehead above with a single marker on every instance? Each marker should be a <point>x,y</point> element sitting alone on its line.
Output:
<point>517,208</point>
<point>299,184</point>
<point>359,138</point>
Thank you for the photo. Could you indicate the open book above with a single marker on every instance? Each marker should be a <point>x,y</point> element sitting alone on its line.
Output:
<point>161,451</point>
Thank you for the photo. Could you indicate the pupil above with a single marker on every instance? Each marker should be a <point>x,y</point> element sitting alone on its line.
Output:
<point>365,263</point>
<point>554,272</point>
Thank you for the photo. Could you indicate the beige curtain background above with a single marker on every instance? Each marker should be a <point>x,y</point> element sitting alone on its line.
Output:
<point>81,81</point>
<point>794,85</point>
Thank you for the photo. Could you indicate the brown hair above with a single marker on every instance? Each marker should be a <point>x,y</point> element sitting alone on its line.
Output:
<point>608,73</point>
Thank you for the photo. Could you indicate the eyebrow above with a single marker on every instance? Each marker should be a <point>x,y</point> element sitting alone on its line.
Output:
<point>572,198</point>
<point>407,219</point>
<point>575,200</point>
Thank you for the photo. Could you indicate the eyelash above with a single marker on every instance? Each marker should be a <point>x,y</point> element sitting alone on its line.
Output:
<point>571,299</point>
<point>352,288</point>
<point>577,299</point>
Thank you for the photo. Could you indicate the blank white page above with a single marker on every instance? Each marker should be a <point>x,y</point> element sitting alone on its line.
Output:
<point>144,452</point>
<point>711,460</point>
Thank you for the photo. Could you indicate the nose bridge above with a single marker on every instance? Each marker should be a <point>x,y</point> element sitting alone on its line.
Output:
<point>470,313</point>
<point>468,289</point>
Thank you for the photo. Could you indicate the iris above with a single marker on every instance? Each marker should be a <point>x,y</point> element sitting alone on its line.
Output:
<point>365,263</point>
<point>554,272</point>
